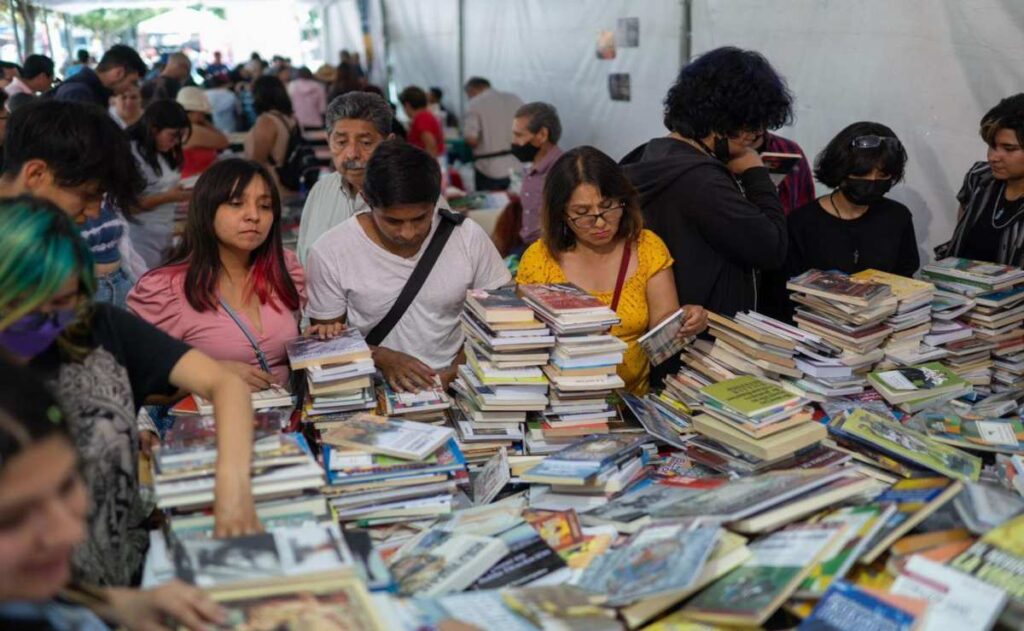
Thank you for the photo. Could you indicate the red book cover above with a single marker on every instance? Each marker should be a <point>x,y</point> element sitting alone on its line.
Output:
<point>559,298</point>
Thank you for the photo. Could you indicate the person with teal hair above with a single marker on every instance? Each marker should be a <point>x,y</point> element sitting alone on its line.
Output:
<point>102,363</point>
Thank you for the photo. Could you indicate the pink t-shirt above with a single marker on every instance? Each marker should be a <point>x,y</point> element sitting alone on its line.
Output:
<point>159,298</point>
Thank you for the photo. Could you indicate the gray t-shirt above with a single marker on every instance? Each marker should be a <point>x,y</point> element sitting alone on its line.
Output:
<point>489,117</point>
<point>348,274</point>
<point>328,204</point>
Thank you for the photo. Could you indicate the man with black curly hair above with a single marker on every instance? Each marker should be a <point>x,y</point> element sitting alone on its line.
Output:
<point>704,189</point>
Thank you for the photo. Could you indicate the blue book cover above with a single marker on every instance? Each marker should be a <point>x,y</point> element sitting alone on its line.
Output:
<point>844,607</point>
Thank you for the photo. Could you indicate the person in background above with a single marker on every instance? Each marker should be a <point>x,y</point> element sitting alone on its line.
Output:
<point>102,363</point>
<point>81,61</point>
<point>797,188</point>
<point>118,70</point>
<point>8,72</point>
<point>989,226</point>
<point>592,231</point>
<point>345,81</point>
<point>487,131</point>
<point>856,227</point>
<point>357,68</point>
<point>536,130</point>
<point>204,141</point>
<point>309,99</point>
<point>435,103</point>
<point>157,141</point>
<point>719,231</point>
<point>70,154</point>
<point>43,506</point>
<point>267,143</point>
<point>176,73</point>
<point>126,108</point>
<point>358,268</point>
<point>424,130</point>
<point>217,66</point>
<point>37,75</point>
<point>226,107</point>
<point>356,124</point>
<point>230,279</point>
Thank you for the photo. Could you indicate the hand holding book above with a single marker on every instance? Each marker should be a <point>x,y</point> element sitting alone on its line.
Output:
<point>695,320</point>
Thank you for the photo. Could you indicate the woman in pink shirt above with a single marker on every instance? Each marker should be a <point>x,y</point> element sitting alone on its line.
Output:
<point>230,289</point>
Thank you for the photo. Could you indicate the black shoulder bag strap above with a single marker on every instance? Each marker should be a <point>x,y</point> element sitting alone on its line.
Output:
<point>449,220</point>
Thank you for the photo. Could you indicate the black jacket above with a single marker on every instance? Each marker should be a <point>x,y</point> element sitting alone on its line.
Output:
<point>719,232</point>
<point>84,87</point>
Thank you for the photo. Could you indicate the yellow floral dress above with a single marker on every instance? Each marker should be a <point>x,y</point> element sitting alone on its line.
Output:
<point>539,266</point>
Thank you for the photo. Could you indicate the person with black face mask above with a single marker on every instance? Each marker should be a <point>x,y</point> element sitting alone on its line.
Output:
<point>855,227</point>
<point>536,130</point>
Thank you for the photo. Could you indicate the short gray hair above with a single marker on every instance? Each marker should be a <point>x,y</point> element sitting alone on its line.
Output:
<point>540,114</point>
<point>365,106</point>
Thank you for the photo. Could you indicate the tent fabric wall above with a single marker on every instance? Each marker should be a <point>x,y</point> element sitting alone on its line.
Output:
<point>341,29</point>
<point>927,68</point>
<point>423,45</point>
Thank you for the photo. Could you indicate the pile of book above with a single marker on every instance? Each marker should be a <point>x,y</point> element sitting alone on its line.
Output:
<point>994,298</point>
<point>595,465</point>
<point>582,368</point>
<point>912,320</point>
<point>339,376</point>
<point>384,470</point>
<point>185,462</point>
<point>502,380</point>
<point>427,405</point>
<point>913,388</point>
<point>848,313</point>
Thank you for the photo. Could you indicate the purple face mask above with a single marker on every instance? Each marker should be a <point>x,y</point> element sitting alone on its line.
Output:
<point>33,333</point>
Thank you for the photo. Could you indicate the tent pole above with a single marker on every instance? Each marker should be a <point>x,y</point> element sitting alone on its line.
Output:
<point>14,25</point>
<point>686,47</point>
<point>49,35</point>
<point>462,58</point>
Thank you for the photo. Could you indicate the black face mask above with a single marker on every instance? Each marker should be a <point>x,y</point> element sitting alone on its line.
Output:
<point>865,192</point>
<point>525,153</point>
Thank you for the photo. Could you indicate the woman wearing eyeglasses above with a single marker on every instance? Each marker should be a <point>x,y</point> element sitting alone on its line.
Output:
<point>856,227</point>
<point>592,230</point>
<point>989,226</point>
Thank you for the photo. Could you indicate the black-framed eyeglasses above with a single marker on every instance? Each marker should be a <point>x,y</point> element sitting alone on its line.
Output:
<point>589,220</point>
<point>874,142</point>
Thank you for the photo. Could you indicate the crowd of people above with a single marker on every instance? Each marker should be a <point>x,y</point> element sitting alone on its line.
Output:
<point>104,310</point>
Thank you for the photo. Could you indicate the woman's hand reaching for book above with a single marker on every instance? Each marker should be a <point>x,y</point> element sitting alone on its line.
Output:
<point>152,609</point>
<point>695,321</point>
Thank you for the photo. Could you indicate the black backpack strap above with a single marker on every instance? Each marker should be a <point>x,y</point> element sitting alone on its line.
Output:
<point>449,221</point>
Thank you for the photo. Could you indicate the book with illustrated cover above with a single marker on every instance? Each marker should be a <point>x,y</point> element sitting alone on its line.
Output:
<point>631,510</point>
<point>562,298</point>
<point>393,437</point>
<point>656,560</point>
<point>749,595</point>
<point>349,346</point>
<point>651,418</point>
<point>780,165</point>
<point>916,382</point>
<point>915,500</point>
<point>862,522</point>
<point>559,528</point>
<point>272,397</point>
<point>663,341</point>
<point>496,306</point>
<point>276,450</point>
<point>906,444</point>
<point>437,562</point>
<point>998,558</point>
<point>750,396</point>
<point>837,286</point>
<point>847,607</point>
<point>1004,435</point>
<point>492,477</point>
<point>976,273</point>
<point>903,287</point>
<point>399,403</point>
<point>529,558</point>
<point>955,600</point>
<point>194,434</point>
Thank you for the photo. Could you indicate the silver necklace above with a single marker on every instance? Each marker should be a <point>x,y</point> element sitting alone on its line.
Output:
<point>999,211</point>
<point>845,228</point>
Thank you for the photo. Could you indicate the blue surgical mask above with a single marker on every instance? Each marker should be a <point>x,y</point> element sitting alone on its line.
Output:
<point>35,332</point>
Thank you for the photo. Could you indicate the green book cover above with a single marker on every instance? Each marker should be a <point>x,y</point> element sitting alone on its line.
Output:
<point>749,395</point>
<point>752,592</point>
<point>907,444</point>
<point>917,381</point>
<point>861,523</point>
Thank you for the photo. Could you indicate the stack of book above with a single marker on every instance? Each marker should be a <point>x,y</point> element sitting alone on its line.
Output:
<point>583,366</point>
<point>274,397</point>
<point>426,406</point>
<point>757,417</point>
<point>595,465</point>
<point>185,463</point>
<point>913,318</point>
<point>845,312</point>
<point>385,470</point>
<point>502,381</point>
<point>993,295</point>
<point>914,388</point>
<point>339,375</point>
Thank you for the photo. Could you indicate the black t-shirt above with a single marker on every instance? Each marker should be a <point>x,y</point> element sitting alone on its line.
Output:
<point>981,242</point>
<point>882,238</point>
<point>127,360</point>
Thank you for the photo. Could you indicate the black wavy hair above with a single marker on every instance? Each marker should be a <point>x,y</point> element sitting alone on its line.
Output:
<point>727,90</point>
<point>1008,114</point>
<point>80,143</point>
<point>399,174</point>
<point>159,115</point>
<point>840,159</point>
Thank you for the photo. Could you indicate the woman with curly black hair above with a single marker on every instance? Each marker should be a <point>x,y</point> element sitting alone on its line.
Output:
<point>718,230</point>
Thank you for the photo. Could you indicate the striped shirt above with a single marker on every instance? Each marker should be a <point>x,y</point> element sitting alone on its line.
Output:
<point>103,234</point>
<point>980,195</point>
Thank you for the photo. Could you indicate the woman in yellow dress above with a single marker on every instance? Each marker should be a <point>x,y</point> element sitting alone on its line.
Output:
<point>590,215</point>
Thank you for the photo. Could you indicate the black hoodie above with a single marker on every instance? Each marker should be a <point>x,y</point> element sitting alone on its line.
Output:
<point>718,231</point>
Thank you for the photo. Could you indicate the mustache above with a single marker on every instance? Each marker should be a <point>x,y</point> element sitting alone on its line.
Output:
<point>353,164</point>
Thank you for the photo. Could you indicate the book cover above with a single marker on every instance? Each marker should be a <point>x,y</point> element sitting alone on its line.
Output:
<point>907,444</point>
<point>955,600</point>
<point>847,607</point>
<point>650,417</point>
<point>349,346</point>
<point>751,593</point>
<point>916,381</point>
<point>987,434</point>
<point>344,599</point>
<point>998,558</point>
<point>638,506</point>
<point>656,560</point>
<point>561,298</point>
<point>861,524</point>
<point>394,437</point>
<point>529,558</point>
<point>194,433</point>
<point>559,529</point>
<point>836,285</point>
<point>437,562</point>
<point>915,499</point>
<point>749,395</point>
<point>902,287</point>
<point>492,477</point>
<point>499,305</point>
<point>663,341</point>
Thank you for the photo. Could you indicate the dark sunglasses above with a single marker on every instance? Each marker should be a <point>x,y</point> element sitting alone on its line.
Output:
<point>874,142</point>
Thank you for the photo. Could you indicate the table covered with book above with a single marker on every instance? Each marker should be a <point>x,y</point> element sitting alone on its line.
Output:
<point>857,469</point>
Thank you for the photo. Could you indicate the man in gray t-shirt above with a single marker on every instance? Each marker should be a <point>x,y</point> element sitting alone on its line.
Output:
<point>357,269</point>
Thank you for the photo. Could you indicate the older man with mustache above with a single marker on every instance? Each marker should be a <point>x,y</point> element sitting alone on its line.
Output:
<point>356,123</point>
